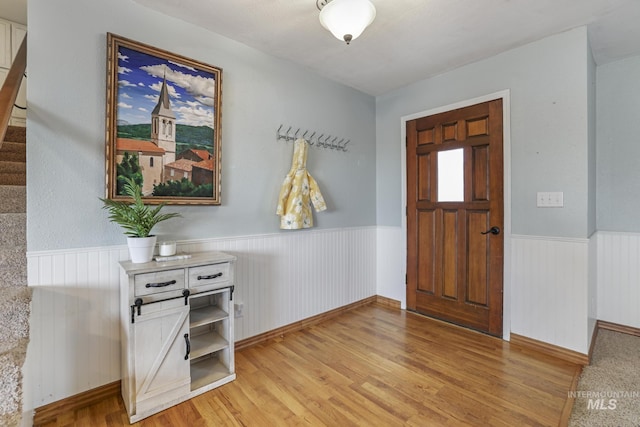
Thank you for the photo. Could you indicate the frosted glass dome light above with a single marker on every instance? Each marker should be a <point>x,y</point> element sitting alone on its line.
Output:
<point>346,19</point>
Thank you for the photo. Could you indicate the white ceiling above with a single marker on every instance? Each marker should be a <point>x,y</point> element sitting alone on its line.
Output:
<point>409,40</point>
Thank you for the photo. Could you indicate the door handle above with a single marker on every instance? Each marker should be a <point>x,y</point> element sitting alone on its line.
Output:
<point>186,339</point>
<point>493,230</point>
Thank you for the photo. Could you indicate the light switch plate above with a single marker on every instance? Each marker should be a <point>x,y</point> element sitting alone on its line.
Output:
<point>550,199</point>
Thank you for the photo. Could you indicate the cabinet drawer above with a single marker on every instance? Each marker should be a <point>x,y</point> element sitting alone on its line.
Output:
<point>209,276</point>
<point>158,282</point>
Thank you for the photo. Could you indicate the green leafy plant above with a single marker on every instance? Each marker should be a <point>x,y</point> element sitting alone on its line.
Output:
<point>136,218</point>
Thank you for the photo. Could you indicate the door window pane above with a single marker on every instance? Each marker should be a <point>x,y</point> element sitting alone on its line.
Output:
<point>451,176</point>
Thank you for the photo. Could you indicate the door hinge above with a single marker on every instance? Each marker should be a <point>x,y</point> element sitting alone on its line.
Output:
<point>406,282</point>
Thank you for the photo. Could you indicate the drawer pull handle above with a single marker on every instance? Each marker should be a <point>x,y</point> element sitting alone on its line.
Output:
<point>186,339</point>
<point>160,285</point>
<point>213,276</point>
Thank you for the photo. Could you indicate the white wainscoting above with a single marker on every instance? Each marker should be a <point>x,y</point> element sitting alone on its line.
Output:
<point>280,279</point>
<point>549,285</point>
<point>392,255</point>
<point>592,292</point>
<point>619,278</point>
<point>285,277</point>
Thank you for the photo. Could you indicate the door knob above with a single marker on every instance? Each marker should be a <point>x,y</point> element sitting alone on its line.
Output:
<point>493,230</point>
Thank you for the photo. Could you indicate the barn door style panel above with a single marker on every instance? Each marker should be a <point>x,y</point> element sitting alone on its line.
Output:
<point>161,344</point>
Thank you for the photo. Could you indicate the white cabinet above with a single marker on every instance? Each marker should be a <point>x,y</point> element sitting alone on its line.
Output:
<point>18,33</point>
<point>177,330</point>
<point>5,44</point>
<point>11,36</point>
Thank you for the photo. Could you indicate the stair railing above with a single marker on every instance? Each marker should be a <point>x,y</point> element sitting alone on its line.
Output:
<point>9,91</point>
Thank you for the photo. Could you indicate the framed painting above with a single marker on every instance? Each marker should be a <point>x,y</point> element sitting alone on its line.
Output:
<point>163,124</point>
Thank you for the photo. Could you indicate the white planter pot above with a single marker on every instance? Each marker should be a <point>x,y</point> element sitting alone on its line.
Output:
<point>141,248</point>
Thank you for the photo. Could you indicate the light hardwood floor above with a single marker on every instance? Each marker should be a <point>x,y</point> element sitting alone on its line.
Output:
<point>372,366</point>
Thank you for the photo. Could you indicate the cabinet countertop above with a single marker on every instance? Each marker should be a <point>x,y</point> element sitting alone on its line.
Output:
<point>196,259</point>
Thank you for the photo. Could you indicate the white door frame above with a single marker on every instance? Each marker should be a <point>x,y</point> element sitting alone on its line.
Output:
<point>505,95</point>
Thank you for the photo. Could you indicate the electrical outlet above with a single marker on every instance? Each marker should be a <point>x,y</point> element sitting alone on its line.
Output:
<point>238,309</point>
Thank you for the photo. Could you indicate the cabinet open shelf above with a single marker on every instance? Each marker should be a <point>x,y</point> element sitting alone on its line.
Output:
<point>207,370</point>
<point>209,342</point>
<point>207,314</point>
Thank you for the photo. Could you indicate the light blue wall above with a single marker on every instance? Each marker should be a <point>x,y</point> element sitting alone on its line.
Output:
<point>548,84</point>
<point>66,128</point>
<point>592,188</point>
<point>618,147</point>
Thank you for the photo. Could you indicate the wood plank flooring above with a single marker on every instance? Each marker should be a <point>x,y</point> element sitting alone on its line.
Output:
<point>372,366</point>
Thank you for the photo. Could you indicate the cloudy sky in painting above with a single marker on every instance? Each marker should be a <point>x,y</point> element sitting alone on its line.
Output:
<point>140,79</point>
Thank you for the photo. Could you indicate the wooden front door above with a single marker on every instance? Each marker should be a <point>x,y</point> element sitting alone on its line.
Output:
<point>455,206</point>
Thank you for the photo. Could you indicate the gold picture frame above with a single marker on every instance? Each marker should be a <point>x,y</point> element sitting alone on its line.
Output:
<point>163,124</point>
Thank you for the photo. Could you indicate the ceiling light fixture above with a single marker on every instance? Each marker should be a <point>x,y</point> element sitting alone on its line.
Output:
<point>346,19</point>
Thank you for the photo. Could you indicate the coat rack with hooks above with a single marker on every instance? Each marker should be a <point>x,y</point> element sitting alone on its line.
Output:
<point>321,141</point>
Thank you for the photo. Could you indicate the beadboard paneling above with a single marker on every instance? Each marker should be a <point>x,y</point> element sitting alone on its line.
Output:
<point>280,278</point>
<point>391,264</point>
<point>619,278</point>
<point>592,294</point>
<point>549,278</point>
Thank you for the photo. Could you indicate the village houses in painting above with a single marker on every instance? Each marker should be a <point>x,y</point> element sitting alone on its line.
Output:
<point>157,158</point>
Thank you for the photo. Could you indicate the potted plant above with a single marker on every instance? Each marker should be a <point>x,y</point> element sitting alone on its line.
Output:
<point>137,221</point>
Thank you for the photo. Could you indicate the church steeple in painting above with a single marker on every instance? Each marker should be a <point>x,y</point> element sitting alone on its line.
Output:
<point>163,124</point>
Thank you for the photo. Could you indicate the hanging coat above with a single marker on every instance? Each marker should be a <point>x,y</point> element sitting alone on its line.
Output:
<point>299,190</point>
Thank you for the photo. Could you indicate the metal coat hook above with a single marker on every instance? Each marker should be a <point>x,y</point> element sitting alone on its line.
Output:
<point>323,144</point>
<point>322,141</point>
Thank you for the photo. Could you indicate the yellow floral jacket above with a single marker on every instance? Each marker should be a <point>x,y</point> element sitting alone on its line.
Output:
<point>299,190</point>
